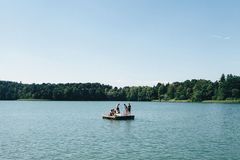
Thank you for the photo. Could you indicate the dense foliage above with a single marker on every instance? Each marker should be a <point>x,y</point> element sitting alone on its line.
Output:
<point>228,87</point>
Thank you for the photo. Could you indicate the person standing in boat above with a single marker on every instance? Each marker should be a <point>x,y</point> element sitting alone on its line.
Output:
<point>126,109</point>
<point>117,109</point>
<point>129,108</point>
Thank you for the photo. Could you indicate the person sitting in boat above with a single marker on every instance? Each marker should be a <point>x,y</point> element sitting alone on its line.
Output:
<point>126,109</point>
<point>129,108</point>
<point>112,112</point>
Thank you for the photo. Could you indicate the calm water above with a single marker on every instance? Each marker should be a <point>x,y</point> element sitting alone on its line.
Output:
<point>75,130</point>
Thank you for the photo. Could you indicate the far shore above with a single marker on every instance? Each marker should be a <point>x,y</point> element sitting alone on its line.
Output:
<point>205,101</point>
<point>163,101</point>
<point>221,101</point>
<point>34,100</point>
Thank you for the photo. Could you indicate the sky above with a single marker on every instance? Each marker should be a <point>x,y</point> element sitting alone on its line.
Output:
<point>121,43</point>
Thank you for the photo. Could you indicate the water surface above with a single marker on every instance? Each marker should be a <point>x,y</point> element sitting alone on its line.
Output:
<point>75,130</point>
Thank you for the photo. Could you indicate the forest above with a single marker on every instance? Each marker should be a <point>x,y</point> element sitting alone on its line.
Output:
<point>195,90</point>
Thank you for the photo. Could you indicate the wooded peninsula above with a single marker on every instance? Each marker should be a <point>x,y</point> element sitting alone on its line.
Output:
<point>227,88</point>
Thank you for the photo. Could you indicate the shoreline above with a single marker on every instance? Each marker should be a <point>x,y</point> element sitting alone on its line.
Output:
<point>162,101</point>
<point>222,101</point>
<point>205,101</point>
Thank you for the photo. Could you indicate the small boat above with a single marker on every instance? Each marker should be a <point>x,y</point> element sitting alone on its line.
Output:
<point>119,117</point>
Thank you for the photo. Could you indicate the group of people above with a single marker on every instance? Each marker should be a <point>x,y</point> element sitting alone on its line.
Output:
<point>116,111</point>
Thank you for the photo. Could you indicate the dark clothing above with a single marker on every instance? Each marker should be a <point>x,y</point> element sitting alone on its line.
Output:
<point>118,110</point>
<point>129,108</point>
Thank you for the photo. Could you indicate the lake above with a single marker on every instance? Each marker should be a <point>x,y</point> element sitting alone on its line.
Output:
<point>44,130</point>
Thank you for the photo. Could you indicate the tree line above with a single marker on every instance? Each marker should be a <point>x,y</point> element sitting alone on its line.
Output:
<point>226,88</point>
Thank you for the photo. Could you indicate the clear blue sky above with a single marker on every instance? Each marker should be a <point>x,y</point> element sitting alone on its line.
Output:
<point>125,42</point>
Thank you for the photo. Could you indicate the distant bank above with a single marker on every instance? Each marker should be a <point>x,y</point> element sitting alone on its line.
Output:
<point>162,101</point>
<point>224,90</point>
<point>206,101</point>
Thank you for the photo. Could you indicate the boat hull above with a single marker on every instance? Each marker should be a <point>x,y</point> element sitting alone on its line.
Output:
<point>129,117</point>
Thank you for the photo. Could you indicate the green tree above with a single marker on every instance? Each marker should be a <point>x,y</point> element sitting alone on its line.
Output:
<point>170,91</point>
